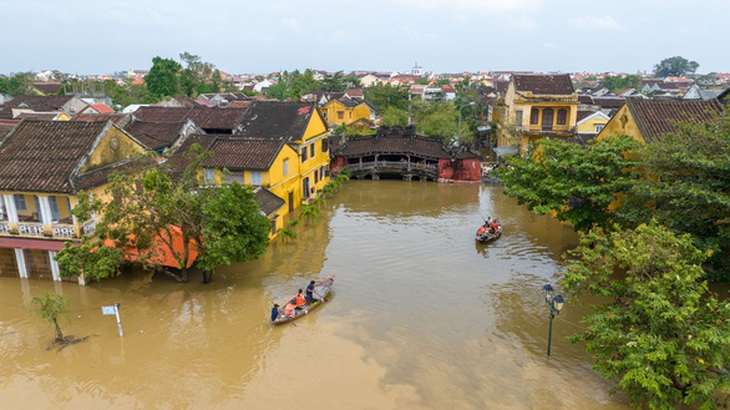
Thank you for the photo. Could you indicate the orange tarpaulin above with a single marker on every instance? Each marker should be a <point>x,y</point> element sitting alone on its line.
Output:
<point>159,253</point>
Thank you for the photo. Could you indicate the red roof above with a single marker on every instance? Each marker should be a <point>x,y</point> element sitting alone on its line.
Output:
<point>161,254</point>
<point>37,244</point>
<point>102,108</point>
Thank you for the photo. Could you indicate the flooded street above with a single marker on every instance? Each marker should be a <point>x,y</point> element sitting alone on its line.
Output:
<point>421,317</point>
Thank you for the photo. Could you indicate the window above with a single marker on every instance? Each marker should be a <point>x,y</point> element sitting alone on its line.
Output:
<point>325,144</point>
<point>311,151</point>
<point>209,176</point>
<point>304,153</point>
<point>235,177</point>
<point>534,116</point>
<point>316,176</point>
<point>20,204</point>
<point>55,212</point>
<point>286,167</point>
<point>562,116</point>
<point>323,172</point>
<point>599,127</point>
<point>256,178</point>
<point>273,224</point>
<point>518,118</point>
<point>340,115</point>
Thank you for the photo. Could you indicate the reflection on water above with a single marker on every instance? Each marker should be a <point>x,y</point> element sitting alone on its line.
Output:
<point>421,317</point>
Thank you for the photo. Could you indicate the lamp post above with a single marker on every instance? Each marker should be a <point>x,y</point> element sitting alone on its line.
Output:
<point>458,122</point>
<point>555,304</point>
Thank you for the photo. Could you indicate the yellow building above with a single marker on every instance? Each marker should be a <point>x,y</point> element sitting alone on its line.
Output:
<point>345,111</point>
<point>537,106</point>
<point>647,120</point>
<point>282,147</point>
<point>591,122</point>
<point>46,165</point>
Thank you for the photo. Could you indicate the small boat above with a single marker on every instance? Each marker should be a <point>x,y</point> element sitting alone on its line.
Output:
<point>290,313</point>
<point>487,234</point>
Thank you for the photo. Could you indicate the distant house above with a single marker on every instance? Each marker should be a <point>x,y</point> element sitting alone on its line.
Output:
<point>70,105</point>
<point>647,120</point>
<point>591,122</point>
<point>344,111</point>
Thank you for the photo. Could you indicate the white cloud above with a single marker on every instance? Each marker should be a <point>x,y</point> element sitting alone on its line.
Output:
<point>600,23</point>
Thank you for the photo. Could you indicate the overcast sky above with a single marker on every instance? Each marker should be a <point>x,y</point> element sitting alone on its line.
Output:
<point>261,36</point>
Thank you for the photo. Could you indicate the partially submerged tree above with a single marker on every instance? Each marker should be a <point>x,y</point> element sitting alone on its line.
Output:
<point>577,184</point>
<point>661,333</point>
<point>52,307</point>
<point>169,204</point>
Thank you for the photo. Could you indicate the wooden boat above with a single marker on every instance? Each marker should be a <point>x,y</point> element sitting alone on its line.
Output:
<point>289,313</point>
<point>484,235</point>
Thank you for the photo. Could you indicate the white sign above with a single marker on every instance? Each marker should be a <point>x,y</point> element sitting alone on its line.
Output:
<point>109,310</point>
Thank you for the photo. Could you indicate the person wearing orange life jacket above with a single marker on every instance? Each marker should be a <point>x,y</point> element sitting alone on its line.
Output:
<point>299,299</point>
<point>495,226</point>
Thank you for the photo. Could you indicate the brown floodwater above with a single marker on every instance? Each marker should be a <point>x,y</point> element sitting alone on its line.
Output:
<point>421,317</point>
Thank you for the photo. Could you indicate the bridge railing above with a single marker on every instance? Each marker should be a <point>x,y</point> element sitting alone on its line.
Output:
<point>394,165</point>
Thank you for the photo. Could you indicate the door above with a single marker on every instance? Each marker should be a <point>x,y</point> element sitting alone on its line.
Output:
<point>291,201</point>
<point>547,119</point>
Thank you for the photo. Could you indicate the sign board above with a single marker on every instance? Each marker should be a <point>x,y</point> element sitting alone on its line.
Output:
<point>109,310</point>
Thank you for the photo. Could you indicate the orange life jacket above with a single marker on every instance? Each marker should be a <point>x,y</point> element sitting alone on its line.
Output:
<point>300,300</point>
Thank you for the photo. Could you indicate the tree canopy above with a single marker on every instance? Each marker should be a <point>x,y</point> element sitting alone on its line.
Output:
<point>384,95</point>
<point>661,333</point>
<point>576,183</point>
<point>675,66</point>
<point>621,82</point>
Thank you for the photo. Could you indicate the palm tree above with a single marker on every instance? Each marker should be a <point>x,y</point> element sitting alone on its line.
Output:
<point>309,212</point>
<point>51,307</point>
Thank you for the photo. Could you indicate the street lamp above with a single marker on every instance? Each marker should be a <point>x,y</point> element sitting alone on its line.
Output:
<point>555,304</point>
<point>458,122</point>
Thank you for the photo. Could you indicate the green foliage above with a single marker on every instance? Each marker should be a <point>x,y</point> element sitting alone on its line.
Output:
<point>333,83</point>
<point>90,259</point>
<point>162,80</point>
<point>309,212</point>
<point>661,334</point>
<point>574,182</point>
<point>126,93</point>
<point>623,82</point>
<point>439,120</point>
<point>394,117</point>
<point>291,86</point>
<point>675,66</point>
<point>234,229</point>
<point>17,84</point>
<point>385,95</point>
<point>224,223</point>
<point>288,233</point>
<point>686,186</point>
<point>51,308</point>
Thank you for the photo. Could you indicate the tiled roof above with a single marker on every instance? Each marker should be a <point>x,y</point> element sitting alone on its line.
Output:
<point>102,108</point>
<point>583,114</point>
<point>155,135</point>
<point>45,116</point>
<point>162,114</point>
<point>6,125</point>
<point>119,119</point>
<point>34,102</point>
<point>241,153</point>
<point>211,119</point>
<point>402,141</point>
<point>47,88</point>
<point>609,102</point>
<point>269,202</point>
<point>544,84</point>
<point>279,120</point>
<point>657,117</point>
<point>40,156</point>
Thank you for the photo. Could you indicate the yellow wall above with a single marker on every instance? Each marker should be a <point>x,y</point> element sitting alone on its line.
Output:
<point>114,147</point>
<point>622,123</point>
<point>589,127</point>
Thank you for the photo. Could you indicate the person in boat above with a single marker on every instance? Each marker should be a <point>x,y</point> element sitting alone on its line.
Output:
<point>310,292</point>
<point>495,226</point>
<point>274,312</point>
<point>290,309</point>
<point>488,225</point>
<point>299,300</point>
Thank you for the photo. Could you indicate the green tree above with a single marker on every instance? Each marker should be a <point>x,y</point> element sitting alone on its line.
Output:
<point>162,80</point>
<point>686,186</point>
<point>197,76</point>
<point>438,120</point>
<point>394,117</point>
<point>52,308</point>
<point>160,202</point>
<point>291,86</point>
<point>661,333</point>
<point>333,83</point>
<point>675,66</point>
<point>17,84</point>
<point>385,95</point>
<point>575,183</point>
<point>622,82</point>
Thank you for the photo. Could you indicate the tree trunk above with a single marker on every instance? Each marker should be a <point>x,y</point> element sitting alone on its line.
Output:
<point>207,276</point>
<point>59,335</point>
